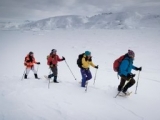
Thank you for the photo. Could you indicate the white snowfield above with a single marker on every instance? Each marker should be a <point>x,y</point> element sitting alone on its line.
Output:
<point>30,99</point>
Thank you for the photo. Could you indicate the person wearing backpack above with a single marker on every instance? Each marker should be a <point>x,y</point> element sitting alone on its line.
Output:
<point>52,61</point>
<point>29,63</point>
<point>124,72</point>
<point>84,61</point>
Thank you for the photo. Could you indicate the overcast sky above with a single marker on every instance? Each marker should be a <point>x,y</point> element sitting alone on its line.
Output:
<point>40,9</point>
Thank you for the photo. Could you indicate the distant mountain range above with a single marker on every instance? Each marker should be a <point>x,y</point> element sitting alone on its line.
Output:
<point>122,20</point>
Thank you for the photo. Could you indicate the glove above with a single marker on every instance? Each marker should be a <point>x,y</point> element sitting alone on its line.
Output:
<point>130,75</point>
<point>38,63</point>
<point>96,67</point>
<point>140,68</point>
<point>63,58</point>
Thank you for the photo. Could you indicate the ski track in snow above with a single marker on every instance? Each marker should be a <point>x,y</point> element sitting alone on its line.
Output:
<point>132,112</point>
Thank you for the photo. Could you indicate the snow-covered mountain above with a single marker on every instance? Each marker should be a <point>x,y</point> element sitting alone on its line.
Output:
<point>9,25</point>
<point>69,21</point>
<point>121,20</point>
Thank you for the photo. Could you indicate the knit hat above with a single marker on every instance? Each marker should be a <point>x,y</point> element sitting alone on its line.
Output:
<point>30,53</point>
<point>54,50</point>
<point>131,53</point>
<point>87,53</point>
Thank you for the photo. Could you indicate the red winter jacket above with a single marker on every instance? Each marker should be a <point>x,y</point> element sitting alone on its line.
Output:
<point>53,59</point>
<point>29,61</point>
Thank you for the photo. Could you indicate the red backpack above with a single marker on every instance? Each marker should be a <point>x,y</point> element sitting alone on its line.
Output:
<point>117,63</point>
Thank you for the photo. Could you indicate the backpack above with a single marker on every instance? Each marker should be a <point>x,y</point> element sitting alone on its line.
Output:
<point>79,60</point>
<point>25,64</point>
<point>117,63</point>
<point>48,59</point>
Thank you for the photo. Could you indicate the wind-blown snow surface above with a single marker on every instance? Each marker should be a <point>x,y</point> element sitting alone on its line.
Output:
<point>110,20</point>
<point>32,100</point>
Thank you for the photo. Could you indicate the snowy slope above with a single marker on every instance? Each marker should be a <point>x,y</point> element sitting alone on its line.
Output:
<point>110,20</point>
<point>13,25</point>
<point>32,100</point>
<point>57,22</point>
<point>120,20</point>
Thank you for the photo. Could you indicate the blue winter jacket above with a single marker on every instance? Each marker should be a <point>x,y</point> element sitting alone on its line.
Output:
<point>126,66</point>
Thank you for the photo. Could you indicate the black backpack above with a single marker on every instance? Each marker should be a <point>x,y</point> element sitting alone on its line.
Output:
<point>79,60</point>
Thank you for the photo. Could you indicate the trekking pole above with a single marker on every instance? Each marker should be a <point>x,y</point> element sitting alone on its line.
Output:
<point>137,82</point>
<point>95,77</point>
<point>37,68</point>
<point>49,79</point>
<point>70,70</point>
<point>86,87</point>
<point>122,88</point>
<point>23,74</point>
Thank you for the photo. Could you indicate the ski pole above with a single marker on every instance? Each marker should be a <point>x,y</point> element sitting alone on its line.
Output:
<point>122,88</point>
<point>37,69</point>
<point>49,79</point>
<point>23,74</point>
<point>95,77</point>
<point>86,86</point>
<point>137,82</point>
<point>70,70</point>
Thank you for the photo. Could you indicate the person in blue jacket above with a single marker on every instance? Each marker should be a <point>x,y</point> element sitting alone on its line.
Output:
<point>125,72</point>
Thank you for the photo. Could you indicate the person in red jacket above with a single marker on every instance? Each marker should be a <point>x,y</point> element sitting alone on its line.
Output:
<point>29,63</point>
<point>52,61</point>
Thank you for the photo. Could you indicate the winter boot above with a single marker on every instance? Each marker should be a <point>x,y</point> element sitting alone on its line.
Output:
<point>124,93</point>
<point>25,76</point>
<point>36,76</point>
<point>55,79</point>
<point>128,85</point>
<point>51,75</point>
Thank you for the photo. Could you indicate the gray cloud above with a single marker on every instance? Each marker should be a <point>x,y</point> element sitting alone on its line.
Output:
<point>39,9</point>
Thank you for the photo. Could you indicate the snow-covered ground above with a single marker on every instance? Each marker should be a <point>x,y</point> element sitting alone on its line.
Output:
<point>30,99</point>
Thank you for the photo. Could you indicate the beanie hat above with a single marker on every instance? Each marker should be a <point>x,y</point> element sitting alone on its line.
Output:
<point>131,53</point>
<point>30,53</point>
<point>87,53</point>
<point>53,50</point>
